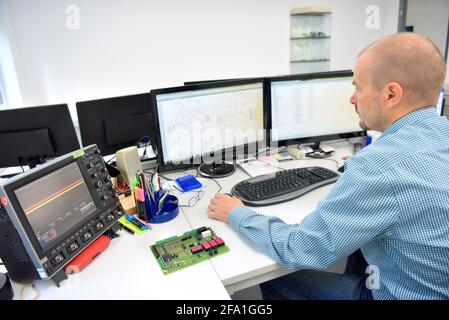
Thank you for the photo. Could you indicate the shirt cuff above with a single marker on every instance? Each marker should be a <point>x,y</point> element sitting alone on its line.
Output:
<point>236,215</point>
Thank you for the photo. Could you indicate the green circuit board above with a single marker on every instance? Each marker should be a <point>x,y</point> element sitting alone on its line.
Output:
<point>179,252</point>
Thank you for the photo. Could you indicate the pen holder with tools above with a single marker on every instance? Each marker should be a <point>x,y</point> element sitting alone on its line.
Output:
<point>163,208</point>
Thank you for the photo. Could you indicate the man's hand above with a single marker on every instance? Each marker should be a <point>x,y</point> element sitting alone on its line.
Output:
<point>221,205</point>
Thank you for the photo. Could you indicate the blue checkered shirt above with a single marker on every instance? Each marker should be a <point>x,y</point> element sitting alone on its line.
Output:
<point>392,202</point>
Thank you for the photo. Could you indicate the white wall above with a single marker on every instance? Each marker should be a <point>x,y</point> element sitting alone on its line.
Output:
<point>9,83</point>
<point>133,46</point>
<point>429,18</point>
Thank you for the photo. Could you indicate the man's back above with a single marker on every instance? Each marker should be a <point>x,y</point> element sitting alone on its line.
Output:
<point>412,254</point>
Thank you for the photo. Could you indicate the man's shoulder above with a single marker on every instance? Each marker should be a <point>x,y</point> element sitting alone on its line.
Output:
<point>380,155</point>
<point>408,142</point>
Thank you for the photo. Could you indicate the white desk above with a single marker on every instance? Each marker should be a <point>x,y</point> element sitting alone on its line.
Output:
<point>245,265</point>
<point>127,269</point>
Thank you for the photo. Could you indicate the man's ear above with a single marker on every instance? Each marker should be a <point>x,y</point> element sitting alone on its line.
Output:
<point>393,94</point>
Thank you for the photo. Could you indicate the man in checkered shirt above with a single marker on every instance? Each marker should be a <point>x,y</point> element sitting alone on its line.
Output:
<point>390,208</point>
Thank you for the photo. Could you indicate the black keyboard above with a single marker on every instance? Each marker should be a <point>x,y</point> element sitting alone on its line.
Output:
<point>282,186</point>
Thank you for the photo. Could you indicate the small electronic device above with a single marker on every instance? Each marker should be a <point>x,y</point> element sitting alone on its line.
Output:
<point>188,183</point>
<point>48,215</point>
<point>116,123</point>
<point>209,125</point>
<point>310,108</point>
<point>179,252</point>
<point>128,162</point>
<point>42,133</point>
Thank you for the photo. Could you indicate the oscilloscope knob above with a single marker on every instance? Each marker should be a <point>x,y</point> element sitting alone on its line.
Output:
<point>94,175</point>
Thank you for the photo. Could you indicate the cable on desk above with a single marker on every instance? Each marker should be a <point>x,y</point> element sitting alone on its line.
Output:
<point>31,286</point>
<point>270,165</point>
<point>152,171</point>
<point>277,149</point>
<point>184,170</point>
<point>336,162</point>
<point>219,186</point>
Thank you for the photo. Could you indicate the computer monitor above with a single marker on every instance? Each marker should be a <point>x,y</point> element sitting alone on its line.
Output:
<point>116,123</point>
<point>208,123</point>
<point>189,83</point>
<point>312,108</point>
<point>30,136</point>
<point>50,214</point>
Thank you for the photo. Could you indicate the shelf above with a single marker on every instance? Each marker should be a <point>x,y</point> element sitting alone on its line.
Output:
<point>305,38</point>
<point>321,10</point>
<point>310,14</point>
<point>317,60</point>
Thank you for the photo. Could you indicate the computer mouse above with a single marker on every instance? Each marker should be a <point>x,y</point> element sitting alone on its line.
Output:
<point>341,169</point>
<point>6,292</point>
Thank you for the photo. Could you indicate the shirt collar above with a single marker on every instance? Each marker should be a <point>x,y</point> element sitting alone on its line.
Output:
<point>408,119</point>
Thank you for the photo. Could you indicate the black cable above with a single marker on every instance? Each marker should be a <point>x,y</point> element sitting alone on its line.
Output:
<point>23,170</point>
<point>183,170</point>
<point>144,151</point>
<point>149,171</point>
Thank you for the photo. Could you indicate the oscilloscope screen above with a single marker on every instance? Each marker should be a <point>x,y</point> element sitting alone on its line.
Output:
<point>55,203</point>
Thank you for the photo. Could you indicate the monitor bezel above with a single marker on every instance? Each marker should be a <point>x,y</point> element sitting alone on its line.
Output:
<point>311,139</point>
<point>12,186</point>
<point>190,83</point>
<point>166,167</point>
<point>87,111</point>
<point>62,133</point>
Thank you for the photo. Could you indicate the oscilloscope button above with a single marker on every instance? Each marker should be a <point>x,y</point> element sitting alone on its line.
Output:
<point>73,246</point>
<point>87,236</point>
<point>58,259</point>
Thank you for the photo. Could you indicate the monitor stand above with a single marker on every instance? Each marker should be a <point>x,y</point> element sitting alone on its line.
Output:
<point>216,170</point>
<point>318,153</point>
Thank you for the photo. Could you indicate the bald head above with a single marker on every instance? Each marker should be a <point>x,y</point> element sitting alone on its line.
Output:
<point>411,60</point>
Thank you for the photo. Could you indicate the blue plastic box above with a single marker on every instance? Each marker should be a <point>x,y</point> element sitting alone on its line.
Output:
<point>188,183</point>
